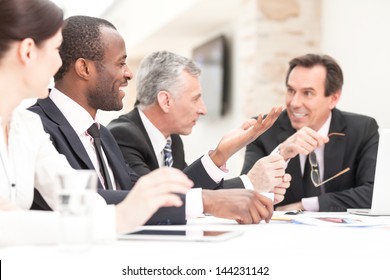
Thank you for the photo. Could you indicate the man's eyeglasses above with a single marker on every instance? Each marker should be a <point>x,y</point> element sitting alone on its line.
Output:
<point>315,171</point>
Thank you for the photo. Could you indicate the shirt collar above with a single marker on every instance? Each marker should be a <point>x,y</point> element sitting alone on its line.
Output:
<point>79,119</point>
<point>156,137</point>
<point>324,130</point>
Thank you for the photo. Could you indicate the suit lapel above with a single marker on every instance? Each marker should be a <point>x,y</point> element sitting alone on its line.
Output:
<point>294,169</point>
<point>334,151</point>
<point>52,111</point>
<point>177,144</point>
<point>178,152</point>
<point>135,117</point>
<point>114,158</point>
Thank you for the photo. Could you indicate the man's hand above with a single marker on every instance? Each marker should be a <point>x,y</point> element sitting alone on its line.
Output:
<point>152,191</point>
<point>280,190</point>
<point>244,135</point>
<point>267,173</point>
<point>304,141</point>
<point>244,206</point>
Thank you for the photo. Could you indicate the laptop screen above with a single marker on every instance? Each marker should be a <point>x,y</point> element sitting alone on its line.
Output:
<point>381,196</point>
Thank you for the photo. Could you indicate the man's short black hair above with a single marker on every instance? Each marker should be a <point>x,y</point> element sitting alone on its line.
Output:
<point>81,39</point>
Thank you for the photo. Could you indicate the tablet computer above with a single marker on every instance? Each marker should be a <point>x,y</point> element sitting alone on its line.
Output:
<point>180,235</point>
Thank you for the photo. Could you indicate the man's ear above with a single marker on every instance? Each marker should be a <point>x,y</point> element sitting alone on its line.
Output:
<point>164,100</point>
<point>334,99</point>
<point>83,68</point>
<point>26,50</point>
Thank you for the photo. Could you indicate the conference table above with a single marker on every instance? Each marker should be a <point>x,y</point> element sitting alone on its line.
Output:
<point>301,246</point>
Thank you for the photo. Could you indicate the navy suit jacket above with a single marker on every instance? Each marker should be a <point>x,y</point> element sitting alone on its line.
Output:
<point>68,143</point>
<point>137,149</point>
<point>356,150</point>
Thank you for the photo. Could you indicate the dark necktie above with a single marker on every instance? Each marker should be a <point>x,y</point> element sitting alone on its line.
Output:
<point>308,187</point>
<point>94,132</point>
<point>168,159</point>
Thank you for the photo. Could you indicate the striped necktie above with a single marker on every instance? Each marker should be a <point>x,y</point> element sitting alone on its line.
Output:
<point>168,159</point>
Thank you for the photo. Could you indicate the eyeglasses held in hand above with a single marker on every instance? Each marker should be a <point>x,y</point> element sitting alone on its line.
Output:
<point>315,171</point>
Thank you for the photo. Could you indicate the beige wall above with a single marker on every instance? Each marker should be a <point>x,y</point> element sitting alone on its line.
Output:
<point>357,33</point>
<point>270,33</point>
<point>264,35</point>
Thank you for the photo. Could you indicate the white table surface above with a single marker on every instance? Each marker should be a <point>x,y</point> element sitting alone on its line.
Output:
<point>297,251</point>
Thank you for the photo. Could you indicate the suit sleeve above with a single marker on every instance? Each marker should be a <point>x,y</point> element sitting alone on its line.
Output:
<point>169,215</point>
<point>198,174</point>
<point>254,151</point>
<point>358,193</point>
<point>132,148</point>
<point>234,183</point>
<point>111,196</point>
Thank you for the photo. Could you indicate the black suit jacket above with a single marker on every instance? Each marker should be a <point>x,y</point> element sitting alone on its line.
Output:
<point>137,149</point>
<point>356,150</point>
<point>68,143</point>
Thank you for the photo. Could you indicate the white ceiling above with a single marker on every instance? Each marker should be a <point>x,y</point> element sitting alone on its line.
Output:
<point>85,7</point>
<point>181,30</point>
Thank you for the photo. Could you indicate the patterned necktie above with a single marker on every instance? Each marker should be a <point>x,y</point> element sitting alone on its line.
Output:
<point>94,132</point>
<point>168,159</point>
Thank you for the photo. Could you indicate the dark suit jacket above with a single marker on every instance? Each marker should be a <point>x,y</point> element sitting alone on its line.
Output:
<point>68,143</point>
<point>134,142</point>
<point>357,150</point>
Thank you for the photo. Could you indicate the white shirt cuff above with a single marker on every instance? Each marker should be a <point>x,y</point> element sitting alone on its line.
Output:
<point>249,186</point>
<point>276,151</point>
<point>311,204</point>
<point>215,173</point>
<point>247,183</point>
<point>194,203</point>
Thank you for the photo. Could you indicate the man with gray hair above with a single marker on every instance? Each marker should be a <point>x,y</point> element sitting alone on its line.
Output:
<point>169,102</point>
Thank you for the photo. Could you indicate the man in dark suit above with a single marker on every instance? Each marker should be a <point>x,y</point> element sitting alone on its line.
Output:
<point>169,102</point>
<point>338,139</point>
<point>92,77</point>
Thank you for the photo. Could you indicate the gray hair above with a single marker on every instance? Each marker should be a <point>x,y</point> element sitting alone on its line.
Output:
<point>162,71</point>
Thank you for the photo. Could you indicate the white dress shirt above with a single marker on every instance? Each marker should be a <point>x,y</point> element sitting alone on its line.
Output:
<point>80,120</point>
<point>30,160</point>
<point>311,203</point>
<point>194,203</point>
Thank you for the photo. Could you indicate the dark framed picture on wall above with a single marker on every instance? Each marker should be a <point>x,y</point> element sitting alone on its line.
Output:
<point>212,56</point>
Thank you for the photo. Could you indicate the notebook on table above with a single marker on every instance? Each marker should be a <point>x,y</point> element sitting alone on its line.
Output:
<point>380,205</point>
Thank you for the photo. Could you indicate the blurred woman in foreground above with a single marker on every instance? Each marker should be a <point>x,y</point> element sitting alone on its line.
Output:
<point>30,37</point>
